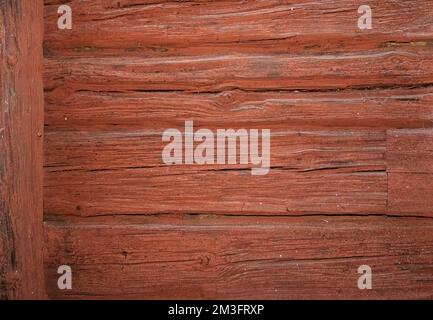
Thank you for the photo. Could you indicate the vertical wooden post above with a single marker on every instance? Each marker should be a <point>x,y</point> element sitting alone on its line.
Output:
<point>21,128</point>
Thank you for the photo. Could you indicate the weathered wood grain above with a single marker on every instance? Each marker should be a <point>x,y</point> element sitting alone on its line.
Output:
<point>410,166</point>
<point>264,258</point>
<point>132,227</point>
<point>152,28</point>
<point>93,111</point>
<point>410,151</point>
<point>411,193</point>
<point>123,173</point>
<point>156,190</point>
<point>296,150</point>
<point>214,73</point>
<point>21,127</point>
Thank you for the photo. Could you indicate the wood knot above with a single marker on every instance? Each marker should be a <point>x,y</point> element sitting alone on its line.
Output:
<point>204,261</point>
<point>12,280</point>
<point>12,59</point>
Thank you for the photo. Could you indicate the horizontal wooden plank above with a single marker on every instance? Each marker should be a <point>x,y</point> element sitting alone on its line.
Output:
<point>410,193</point>
<point>89,111</point>
<point>162,190</point>
<point>253,259</point>
<point>152,28</point>
<point>410,150</point>
<point>104,173</point>
<point>213,73</point>
<point>296,150</point>
<point>410,171</point>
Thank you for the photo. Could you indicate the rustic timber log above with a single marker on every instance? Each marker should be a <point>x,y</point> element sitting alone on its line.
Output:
<point>21,128</point>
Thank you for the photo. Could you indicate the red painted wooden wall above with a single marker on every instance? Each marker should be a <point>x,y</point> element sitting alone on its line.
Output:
<point>351,180</point>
